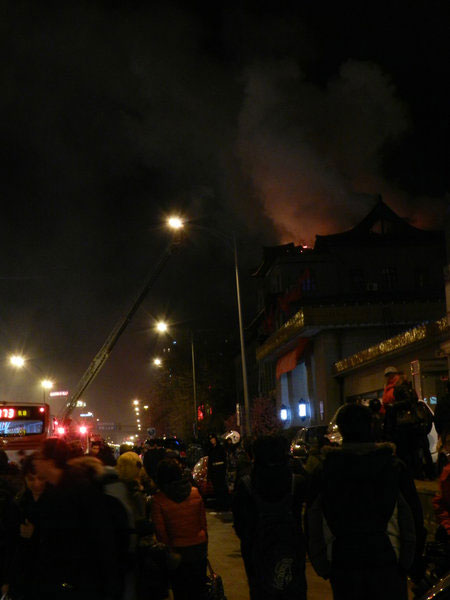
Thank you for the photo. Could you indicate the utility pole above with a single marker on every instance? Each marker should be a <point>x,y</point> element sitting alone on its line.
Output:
<point>248,430</point>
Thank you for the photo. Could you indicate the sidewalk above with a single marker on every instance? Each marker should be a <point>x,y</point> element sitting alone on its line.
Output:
<point>427,490</point>
<point>225,558</point>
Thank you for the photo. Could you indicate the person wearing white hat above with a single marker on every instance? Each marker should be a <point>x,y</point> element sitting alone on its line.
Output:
<point>393,378</point>
<point>404,424</point>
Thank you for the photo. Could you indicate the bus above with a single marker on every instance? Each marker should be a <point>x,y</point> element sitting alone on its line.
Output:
<point>23,427</point>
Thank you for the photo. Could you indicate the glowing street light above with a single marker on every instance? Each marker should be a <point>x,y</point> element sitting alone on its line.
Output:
<point>161,326</point>
<point>146,407</point>
<point>157,362</point>
<point>136,402</point>
<point>47,384</point>
<point>17,361</point>
<point>175,223</point>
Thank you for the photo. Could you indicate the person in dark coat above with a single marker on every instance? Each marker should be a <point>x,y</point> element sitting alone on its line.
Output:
<point>377,420</point>
<point>9,486</point>
<point>22,568</point>
<point>148,577</point>
<point>364,518</point>
<point>77,554</point>
<point>217,472</point>
<point>442,413</point>
<point>270,480</point>
<point>402,424</point>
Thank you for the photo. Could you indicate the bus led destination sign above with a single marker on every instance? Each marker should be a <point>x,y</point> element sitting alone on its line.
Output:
<point>12,413</point>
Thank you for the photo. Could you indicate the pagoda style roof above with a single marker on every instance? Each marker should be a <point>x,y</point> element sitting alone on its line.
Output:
<point>382,223</point>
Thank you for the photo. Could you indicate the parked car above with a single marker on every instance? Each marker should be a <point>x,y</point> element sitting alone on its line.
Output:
<point>200,476</point>
<point>305,438</point>
<point>334,436</point>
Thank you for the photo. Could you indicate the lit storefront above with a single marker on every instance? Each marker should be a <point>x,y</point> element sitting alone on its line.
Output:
<point>417,352</point>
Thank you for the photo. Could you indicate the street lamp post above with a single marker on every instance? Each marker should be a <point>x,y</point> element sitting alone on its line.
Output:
<point>194,387</point>
<point>180,224</point>
<point>241,337</point>
<point>46,385</point>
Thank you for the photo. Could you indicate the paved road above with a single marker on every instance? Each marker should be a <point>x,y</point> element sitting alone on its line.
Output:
<point>225,557</point>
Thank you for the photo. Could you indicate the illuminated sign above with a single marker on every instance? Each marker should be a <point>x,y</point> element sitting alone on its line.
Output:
<point>88,414</point>
<point>7,413</point>
<point>14,413</point>
<point>62,393</point>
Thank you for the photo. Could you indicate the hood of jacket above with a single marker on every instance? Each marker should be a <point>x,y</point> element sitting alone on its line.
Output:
<point>363,461</point>
<point>178,490</point>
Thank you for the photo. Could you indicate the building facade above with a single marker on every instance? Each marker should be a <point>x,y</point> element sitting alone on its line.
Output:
<point>350,291</point>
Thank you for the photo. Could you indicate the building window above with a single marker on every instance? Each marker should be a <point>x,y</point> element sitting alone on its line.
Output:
<point>357,280</point>
<point>260,299</point>
<point>382,227</point>
<point>308,281</point>
<point>421,278</point>
<point>276,283</point>
<point>389,278</point>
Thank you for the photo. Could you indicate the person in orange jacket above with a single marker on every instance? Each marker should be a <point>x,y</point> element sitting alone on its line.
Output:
<point>179,517</point>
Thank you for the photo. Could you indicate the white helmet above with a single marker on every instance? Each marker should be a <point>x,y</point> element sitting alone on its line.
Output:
<point>234,436</point>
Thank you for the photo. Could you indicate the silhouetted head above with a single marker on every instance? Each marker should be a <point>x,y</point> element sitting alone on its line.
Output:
<point>355,423</point>
<point>169,470</point>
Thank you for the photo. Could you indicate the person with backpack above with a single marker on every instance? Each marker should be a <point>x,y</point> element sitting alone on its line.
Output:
<point>267,518</point>
<point>364,519</point>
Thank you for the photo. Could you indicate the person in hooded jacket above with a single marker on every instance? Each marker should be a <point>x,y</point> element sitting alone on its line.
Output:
<point>364,519</point>
<point>272,481</point>
<point>179,516</point>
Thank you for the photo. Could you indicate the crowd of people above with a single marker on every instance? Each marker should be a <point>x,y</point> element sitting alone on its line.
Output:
<point>84,526</point>
<point>81,526</point>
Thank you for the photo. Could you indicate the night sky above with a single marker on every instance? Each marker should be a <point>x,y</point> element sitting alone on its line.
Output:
<point>274,124</point>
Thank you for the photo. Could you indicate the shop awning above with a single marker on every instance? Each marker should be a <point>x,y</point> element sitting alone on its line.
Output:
<point>289,361</point>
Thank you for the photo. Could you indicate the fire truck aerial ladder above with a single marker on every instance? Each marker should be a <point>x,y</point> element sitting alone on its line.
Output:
<point>102,355</point>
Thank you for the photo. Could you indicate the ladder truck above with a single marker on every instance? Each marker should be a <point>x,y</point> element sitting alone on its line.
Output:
<point>102,355</point>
